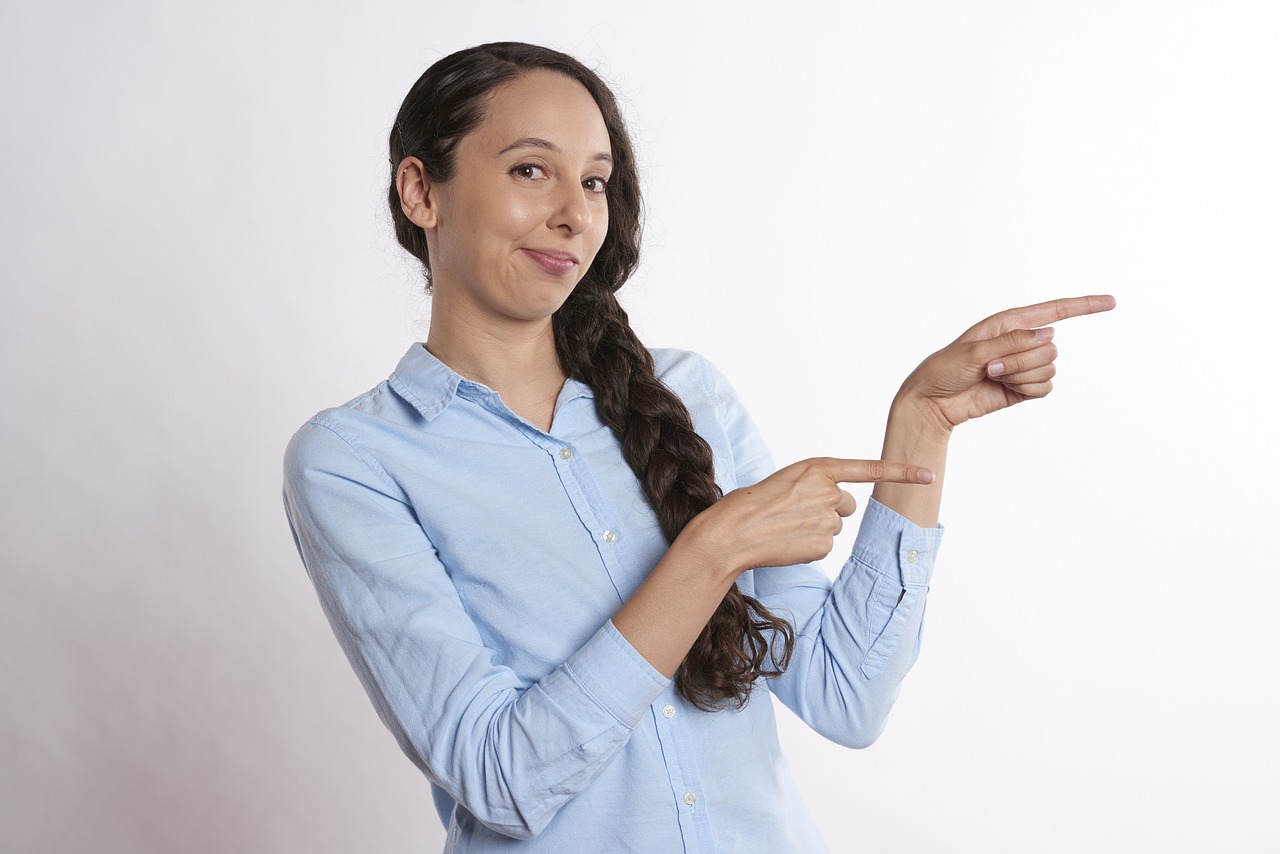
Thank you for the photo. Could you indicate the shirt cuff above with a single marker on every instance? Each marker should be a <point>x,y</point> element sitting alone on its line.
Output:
<point>893,545</point>
<point>616,676</point>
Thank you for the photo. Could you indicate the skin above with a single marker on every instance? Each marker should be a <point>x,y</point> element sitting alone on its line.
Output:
<point>512,198</point>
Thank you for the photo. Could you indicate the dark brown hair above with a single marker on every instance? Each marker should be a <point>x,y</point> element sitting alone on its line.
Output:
<point>742,641</point>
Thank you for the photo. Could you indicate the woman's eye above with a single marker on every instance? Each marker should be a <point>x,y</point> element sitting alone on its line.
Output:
<point>529,171</point>
<point>595,185</point>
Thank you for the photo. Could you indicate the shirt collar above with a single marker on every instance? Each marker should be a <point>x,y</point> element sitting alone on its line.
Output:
<point>431,385</point>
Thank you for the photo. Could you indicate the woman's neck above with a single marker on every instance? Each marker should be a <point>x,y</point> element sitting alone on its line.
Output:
<point>518,362</point>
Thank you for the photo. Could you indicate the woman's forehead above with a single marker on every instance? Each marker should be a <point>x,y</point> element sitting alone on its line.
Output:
<point>543,105</point>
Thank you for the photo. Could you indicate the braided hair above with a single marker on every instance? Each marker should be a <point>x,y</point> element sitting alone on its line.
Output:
<point>742,641</point>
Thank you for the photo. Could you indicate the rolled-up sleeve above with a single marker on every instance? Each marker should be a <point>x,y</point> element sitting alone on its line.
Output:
<point>857,639</point>
<point>511,752</point>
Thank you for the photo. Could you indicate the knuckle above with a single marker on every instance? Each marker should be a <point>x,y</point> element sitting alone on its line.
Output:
<point>875,469</point>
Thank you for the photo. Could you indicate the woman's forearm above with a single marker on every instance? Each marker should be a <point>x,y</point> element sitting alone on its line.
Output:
<point>913,437</point>
<point>665,615</point>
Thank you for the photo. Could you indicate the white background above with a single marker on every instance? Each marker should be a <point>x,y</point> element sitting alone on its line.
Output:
<point>195,257</point>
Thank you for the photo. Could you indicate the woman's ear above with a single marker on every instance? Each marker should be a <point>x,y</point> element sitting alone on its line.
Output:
<point>417,194</point>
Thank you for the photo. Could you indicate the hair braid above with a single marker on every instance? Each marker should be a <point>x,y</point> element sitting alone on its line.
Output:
<point>742,641</point>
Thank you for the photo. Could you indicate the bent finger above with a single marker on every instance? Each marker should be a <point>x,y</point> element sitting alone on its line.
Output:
<point>1034,375</point>
<point>871,471</point>
<point>1002,347</point>
<point>846,505</point>
<point>1029,360</point>
<point>1034,389</point>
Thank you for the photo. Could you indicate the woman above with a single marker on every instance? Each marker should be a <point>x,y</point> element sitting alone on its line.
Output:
<point>563,565</point>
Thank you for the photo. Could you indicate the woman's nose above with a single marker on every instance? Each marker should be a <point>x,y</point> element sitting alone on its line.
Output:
<point>573,210</point>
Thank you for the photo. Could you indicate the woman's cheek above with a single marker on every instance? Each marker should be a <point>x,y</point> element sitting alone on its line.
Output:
<point>524,216</point>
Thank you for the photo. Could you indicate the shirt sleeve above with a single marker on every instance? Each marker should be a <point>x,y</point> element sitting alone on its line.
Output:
<point>856,639</point>
<point>510,752</point>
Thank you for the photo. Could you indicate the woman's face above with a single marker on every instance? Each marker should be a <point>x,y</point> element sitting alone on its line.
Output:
<point>524,214</point>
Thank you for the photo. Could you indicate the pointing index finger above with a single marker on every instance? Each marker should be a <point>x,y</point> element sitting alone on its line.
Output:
<point>873,471</point>
<point>1031,316</point>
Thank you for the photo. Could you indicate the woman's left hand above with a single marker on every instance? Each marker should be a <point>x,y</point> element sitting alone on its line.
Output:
<point>1003,360</point>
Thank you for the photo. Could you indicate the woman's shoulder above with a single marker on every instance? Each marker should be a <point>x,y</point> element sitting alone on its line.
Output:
<point>345,417</point>
<point>690,374</point>
<point>341,429</point>
<point>413,394</point>
<point>718,415</point>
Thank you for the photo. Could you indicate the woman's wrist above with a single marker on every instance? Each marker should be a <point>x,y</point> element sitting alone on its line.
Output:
<point>667,612</point>
<point>915,420</point>
<point>707,544</point>
<point>918,434</point>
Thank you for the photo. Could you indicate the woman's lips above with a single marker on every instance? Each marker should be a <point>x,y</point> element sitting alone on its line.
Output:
<point>554,261</point>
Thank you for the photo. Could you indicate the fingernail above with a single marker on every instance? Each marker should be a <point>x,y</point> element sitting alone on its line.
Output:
<point>1044,334</point>
<point>995,369</point>
<point>925,476</point>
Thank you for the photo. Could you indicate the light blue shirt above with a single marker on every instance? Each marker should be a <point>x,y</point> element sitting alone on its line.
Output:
<point>469,564</point>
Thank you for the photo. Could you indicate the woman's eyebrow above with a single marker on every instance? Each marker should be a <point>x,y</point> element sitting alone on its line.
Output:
<point>539,142</point>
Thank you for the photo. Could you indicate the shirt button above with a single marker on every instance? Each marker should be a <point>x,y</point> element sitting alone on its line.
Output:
<point>609,536</point>
<point>668,711</point>
<point>912,556</point>
<point>566,453</point>
<point>690,798</point>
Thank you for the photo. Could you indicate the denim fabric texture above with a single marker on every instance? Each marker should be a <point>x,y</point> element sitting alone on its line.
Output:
<point>469,564</point>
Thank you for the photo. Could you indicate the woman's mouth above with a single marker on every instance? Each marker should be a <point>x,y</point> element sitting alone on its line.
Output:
<point>554,261</point>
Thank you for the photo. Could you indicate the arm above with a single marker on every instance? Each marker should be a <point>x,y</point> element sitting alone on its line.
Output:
<point>846,674</point>
<point>789,517</point>
<point>856,639</point>
<point>512,753</point>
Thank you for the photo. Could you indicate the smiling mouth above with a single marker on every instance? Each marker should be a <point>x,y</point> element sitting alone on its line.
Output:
<point>554,261</point>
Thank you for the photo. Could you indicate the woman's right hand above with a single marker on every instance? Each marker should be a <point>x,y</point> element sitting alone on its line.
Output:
<point>790,517</point>
<point>793,515</point>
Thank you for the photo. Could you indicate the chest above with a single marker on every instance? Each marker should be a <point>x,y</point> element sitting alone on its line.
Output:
<point>543,537</point>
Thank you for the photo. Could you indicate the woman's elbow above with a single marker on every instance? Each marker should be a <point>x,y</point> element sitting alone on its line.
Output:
<point>505,825</point>
<point>857,737</point>
<point>854,725</point>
